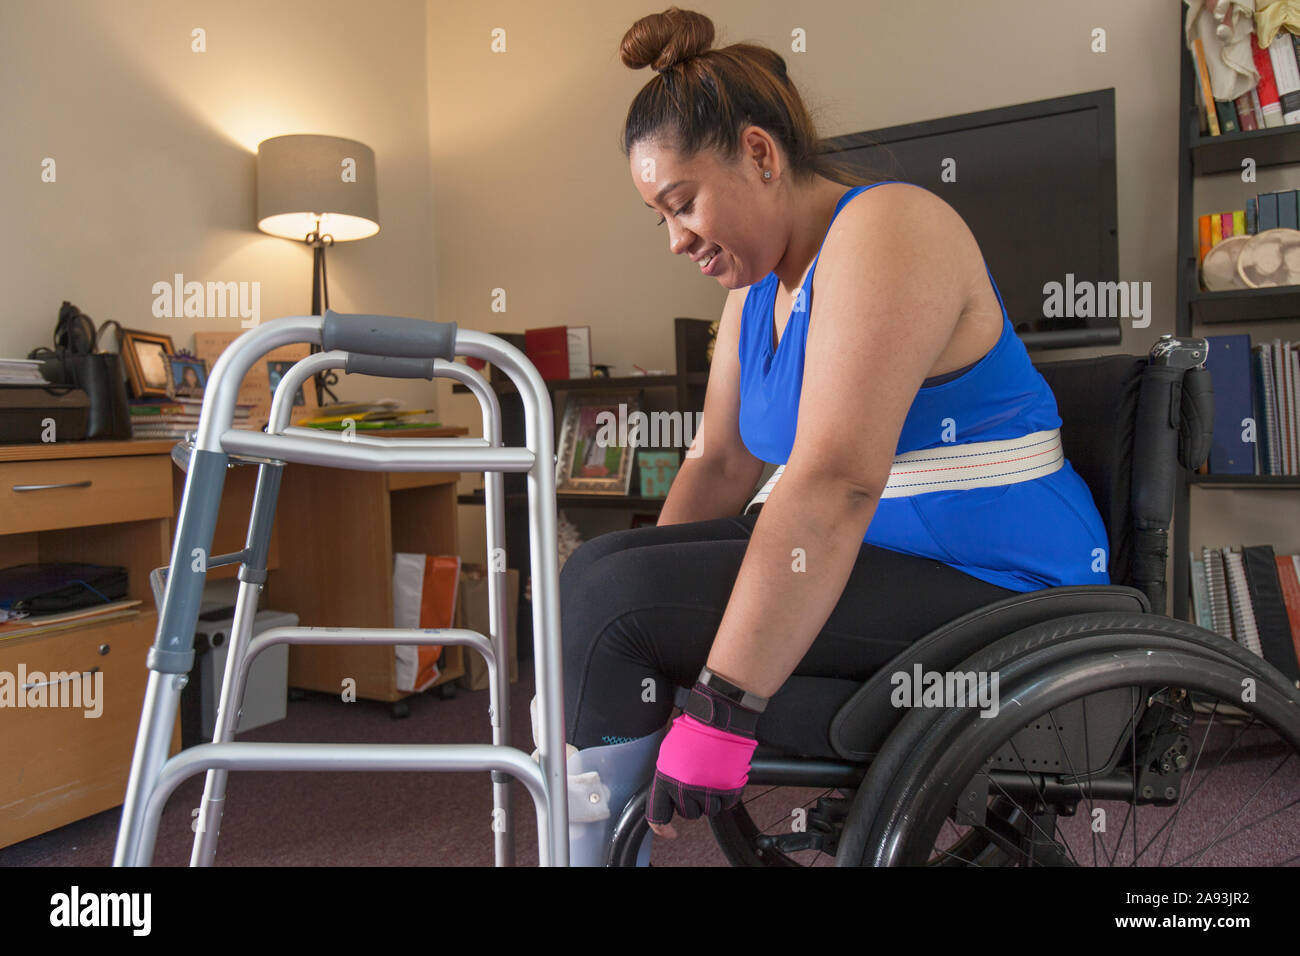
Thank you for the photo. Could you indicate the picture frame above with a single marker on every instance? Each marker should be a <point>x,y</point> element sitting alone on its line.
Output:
<point>581,467</point>
<point>275,371</point>
<point>658,468</point>
<point>147,366</point>
<point>187,376</point>
<point>255,389</point>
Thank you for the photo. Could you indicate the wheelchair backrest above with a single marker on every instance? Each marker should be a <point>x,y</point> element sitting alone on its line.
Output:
<point>1097,399</point>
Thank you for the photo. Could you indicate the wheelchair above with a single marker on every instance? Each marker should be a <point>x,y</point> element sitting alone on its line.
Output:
<point>1106,705</point>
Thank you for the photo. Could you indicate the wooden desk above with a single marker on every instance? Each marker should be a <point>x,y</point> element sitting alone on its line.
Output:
<point>59,764</point>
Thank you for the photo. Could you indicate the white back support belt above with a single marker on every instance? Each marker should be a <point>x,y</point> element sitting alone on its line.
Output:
<point>980,464</point>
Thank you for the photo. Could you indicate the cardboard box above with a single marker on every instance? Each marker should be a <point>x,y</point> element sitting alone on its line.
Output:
<point>472,613</point>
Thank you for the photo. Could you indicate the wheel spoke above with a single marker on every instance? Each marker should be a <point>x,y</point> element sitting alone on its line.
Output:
<point>1190,778</point>
<point>1070,765</point>
<point>1219,837</point>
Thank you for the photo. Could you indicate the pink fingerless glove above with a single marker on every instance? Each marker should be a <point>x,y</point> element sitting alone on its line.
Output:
<point>704,756</point>
<point>701,770</point>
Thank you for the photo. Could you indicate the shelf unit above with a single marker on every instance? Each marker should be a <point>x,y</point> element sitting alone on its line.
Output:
<point>687,385</point>
<point>687,389</point>
<point>1209,156</point>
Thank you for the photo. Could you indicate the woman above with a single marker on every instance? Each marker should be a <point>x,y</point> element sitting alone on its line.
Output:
<point>879,290</point>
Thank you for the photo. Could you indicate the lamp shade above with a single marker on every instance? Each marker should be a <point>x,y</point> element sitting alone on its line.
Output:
<point>302,178</point>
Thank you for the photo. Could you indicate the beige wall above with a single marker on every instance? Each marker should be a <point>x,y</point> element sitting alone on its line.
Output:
<point>501,170</point>
<point>155,151</point>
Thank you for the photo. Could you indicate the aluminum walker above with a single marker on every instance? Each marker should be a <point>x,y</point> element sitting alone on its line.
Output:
<point>393,347</point>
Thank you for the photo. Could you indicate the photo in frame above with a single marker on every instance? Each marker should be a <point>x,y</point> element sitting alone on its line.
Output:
<point>187,376</point>
<point>658,469</point>
<point>148,370</point>
<point>255,389</point>
<point>597,442</point>
<point>274,371</point>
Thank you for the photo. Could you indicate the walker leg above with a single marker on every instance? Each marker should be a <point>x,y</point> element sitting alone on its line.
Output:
<point>499,685</point>
<point>549,664</point>
<point>172,655</point>
<point>252,575</point>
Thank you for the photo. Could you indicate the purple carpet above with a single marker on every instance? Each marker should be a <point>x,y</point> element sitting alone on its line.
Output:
<point>445,819</point>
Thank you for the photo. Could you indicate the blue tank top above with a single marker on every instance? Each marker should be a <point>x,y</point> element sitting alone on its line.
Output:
<point>1041,533</point>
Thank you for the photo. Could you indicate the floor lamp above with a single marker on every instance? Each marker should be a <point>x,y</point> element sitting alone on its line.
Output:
<point>319,190</point>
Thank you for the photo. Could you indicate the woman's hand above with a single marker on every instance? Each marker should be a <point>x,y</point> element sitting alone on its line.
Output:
<point>703,764</point>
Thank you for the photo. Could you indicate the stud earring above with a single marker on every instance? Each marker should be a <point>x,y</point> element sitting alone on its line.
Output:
<point>767,174</point>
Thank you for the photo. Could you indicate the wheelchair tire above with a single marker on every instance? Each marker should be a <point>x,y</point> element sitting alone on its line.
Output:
<point>960,744</point>
<point>1057,640</point>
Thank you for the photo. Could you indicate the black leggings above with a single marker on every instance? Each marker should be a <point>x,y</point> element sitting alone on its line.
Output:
<point>639,610</point>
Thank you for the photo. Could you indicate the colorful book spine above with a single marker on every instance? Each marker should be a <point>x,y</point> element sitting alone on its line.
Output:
<point>1286,74</point>
<point>1270,106</point>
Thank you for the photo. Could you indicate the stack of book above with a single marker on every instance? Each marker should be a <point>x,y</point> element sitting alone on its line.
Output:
<point>1252,596</point>
<point>173,417</point>
<point>1256,406</point>
<point>1274,100</point>
<point>20,625</point>
<point>1279,209</point>
<point>21,372</point>
<point>384,414</point>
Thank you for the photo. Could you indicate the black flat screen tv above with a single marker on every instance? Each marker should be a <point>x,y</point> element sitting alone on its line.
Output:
<point>1036,185</point>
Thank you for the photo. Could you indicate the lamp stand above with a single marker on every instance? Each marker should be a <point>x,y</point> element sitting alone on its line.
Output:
<point>320,291</point>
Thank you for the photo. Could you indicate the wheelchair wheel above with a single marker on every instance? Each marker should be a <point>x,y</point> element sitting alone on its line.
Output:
<point>1148,734</point>
<point>761,832</point>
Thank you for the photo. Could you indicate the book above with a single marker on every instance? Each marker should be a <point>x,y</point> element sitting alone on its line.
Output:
<point>1270,106</point>
<point>21,372</point>
<point>1200,593</point>
<point>1244,629</point>
<point>1270,610</point>
<point>1286,75</point>
<point>1203,80</point>
<point>579,346</point>
<point>1288,573</point>
<point>560,351</point>
<point>1229,362</point>
<point>1268,459</point>
<point>40,623</point>
<point>1217,591</point>
<point>548,350</point>
<point>1286,210</point>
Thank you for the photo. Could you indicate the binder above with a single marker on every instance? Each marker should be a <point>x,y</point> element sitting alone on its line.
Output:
<point>1229,362</point>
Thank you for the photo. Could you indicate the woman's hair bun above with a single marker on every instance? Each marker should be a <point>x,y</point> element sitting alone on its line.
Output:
<point>663,40</point>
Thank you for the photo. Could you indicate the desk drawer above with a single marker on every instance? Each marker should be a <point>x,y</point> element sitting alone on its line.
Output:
<point>62,763</point>
<point>88,491</point>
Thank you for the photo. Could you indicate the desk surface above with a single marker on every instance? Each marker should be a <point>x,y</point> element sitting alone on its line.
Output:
<point>163,446</point>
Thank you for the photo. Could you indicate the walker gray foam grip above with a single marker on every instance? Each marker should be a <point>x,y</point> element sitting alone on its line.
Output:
<point>388,335</point>
<point>388,367</point>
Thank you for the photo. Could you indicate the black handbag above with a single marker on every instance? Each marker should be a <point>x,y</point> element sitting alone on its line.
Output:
<point>75,363</point>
